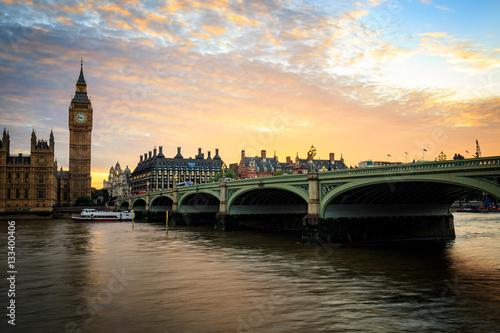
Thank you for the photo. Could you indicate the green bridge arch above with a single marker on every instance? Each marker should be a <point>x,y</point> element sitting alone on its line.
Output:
<point>205,201</point>
<point>273,189</point>
<point>456,184</point>
<point>161,203</point>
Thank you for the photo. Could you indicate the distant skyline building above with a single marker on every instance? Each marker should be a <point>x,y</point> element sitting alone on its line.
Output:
<point>263,166</point>
<point>118,183</point>
<point>254,167</point>
<point>155,171</point>
<point>304,165</point>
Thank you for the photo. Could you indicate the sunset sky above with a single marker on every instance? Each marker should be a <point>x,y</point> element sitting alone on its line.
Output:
<point>362,78</point>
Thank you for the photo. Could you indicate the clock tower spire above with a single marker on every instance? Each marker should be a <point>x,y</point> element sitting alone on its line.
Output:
<point>80,139</point>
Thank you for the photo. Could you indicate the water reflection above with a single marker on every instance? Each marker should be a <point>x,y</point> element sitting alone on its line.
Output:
<point>110,277</point>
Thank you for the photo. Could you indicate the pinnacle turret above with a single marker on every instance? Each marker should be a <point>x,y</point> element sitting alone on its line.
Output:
<point>81,79</point>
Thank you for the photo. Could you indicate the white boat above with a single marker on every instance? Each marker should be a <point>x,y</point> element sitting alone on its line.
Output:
<point>92,215</point>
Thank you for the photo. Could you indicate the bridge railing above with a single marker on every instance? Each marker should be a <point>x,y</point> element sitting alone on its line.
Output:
<point>419,167</point>
<point>422,167</point>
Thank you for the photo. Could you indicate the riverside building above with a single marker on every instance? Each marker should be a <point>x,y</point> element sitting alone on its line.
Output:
<point>32,183</point>
<point>156,172</point>
<point>28,183</point>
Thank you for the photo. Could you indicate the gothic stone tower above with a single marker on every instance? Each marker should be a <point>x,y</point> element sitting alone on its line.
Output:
<point>80,137</point>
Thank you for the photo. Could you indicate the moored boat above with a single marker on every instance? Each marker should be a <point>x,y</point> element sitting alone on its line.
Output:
<point>92,215</point>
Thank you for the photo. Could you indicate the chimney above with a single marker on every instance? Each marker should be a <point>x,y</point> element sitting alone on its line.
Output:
<point>288,160</point>
<point>200,155</point>
<point>242,154</point>
<point>217,157</point>
<point>332,157</point>
<point>150,154</point>
<point>263,154</point>
<point>141,159</point>
<point>161,150</point>
<point>154,151</point>
<point>209,158</point>
<point>179,155</point>
<point>145,156</point>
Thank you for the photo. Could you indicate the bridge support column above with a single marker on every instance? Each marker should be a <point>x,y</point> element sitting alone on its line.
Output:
<point>175,202</point>
<point>146,214</point>
<point>223,197</point>
<point>313,224</point>
<point>224,221</point>
<point>175,218</point>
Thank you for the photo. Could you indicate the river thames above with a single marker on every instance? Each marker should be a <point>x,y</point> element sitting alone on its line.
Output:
<point>110,277</point>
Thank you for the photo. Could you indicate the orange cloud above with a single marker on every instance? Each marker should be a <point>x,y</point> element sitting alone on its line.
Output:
<point>240,20</point>
<point>114,8</point>
<point>269,38</point>
<point>219,5</point>
<point>120,24</point>
<point>435,35</point>
<point>385,51</point>
<point>65,20</point>
<point>176,5</point>
<point>354,14</point>
<point>214,30</point>
<point>467,56</point>
<point>202,36</point>
<point>374,3</point>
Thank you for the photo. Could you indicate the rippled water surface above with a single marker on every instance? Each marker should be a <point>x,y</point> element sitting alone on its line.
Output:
<point>111,277</point>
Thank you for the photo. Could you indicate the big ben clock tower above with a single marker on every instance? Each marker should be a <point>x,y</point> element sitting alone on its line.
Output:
<point>80,139</point>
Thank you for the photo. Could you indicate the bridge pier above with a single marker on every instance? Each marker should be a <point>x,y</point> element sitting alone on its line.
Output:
<point>313,229</point>
<point>225,222</point>
<point>378,229</point>
<point>313,225</point>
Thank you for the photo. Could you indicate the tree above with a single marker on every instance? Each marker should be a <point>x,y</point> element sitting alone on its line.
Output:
<point>281,172</point>
<point>84,201</point>
<point>222,175</point>
<point>100,193</point>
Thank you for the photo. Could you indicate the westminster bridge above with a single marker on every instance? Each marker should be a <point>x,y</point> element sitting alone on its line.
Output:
<point>398,202</point>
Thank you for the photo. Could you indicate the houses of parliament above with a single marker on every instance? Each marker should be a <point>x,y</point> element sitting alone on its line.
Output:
<point>34,183</point>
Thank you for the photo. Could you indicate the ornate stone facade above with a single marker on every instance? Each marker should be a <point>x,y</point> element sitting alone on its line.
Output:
<point>33,183</point>
<point>28,183</point>
<point>80,140</point>
<point>118,183</point>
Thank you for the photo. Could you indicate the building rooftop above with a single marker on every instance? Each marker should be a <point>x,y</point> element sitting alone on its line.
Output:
<point>179,163</point>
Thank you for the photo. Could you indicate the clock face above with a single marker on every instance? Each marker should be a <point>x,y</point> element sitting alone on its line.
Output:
<point>80,117</point>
